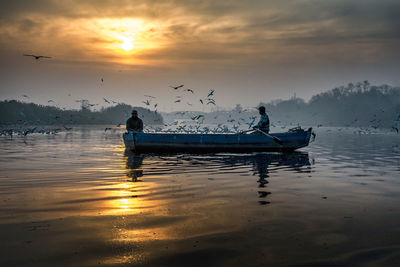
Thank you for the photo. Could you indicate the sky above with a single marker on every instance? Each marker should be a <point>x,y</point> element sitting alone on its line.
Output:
<point>247,51</point>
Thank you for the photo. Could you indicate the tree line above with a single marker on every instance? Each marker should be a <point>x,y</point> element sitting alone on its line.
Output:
<point>16,112</point>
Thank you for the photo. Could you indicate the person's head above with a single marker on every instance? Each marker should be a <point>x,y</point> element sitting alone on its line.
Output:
<point>261,110</point>
<point>134,114</point>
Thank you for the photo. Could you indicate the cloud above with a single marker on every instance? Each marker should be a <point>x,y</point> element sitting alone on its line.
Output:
<point>185,30</point>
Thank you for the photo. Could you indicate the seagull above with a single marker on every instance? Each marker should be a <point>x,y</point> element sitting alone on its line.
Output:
<point>36,57</point>
<point>177,87</point>
<point>211,93</point>
<point>149,96</point>
<point>50,101</point>
<point>105,130</point>
<point>189,90</point>
<point>25,96</point>
<point>155,105</point>
<point>147,102</point>
<point>105,100</point>
<point>197,117</point>
<point>177,101</point>
<point>201,101</point>
<point>102,80</point>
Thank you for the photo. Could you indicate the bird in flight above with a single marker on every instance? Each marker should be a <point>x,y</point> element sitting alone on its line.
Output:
<point>189,90</point>
<point>210,101</point>
<point>177,87</point>
<point>211,93</point>
<point>36,57</point>
<point>197,117</point>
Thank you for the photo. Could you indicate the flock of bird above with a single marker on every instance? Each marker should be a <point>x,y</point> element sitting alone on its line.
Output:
<point>189,122</point>
<point>208,100</point>
<point>32,130</point>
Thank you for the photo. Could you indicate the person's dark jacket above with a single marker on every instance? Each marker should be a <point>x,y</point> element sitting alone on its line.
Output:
<point>134,124</point>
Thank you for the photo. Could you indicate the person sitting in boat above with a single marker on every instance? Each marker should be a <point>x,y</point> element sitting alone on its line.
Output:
<point>134,124</point>
<point>263,124</point>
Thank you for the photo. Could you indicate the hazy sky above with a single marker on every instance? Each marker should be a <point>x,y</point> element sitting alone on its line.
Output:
<point>248,51</point>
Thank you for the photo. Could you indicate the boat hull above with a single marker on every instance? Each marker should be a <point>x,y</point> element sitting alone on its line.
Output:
<point>205,143</point>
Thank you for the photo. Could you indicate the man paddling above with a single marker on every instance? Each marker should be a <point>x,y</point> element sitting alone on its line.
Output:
<point>134,123</point>
<point>263,124</point>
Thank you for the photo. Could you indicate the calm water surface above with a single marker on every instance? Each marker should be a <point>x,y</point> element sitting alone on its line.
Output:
<point>80,199</point>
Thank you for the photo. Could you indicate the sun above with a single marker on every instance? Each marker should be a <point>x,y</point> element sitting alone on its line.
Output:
<point>127,44</point>
<point>125,39</point>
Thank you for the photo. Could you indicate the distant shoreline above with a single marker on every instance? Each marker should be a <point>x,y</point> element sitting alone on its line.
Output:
<point>14,112</point>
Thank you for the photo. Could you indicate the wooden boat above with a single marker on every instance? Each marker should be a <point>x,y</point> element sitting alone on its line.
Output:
<point>255,142</point>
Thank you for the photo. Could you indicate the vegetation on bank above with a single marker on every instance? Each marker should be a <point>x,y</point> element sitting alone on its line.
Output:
<point>360,104</point>
<point>356,105</point>
<point>16,112</point>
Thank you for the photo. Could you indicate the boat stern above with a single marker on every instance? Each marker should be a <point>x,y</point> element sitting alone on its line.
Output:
<point>129,140</point>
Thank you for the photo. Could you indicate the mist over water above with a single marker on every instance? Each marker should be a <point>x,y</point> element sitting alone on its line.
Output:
<point>78,198</point>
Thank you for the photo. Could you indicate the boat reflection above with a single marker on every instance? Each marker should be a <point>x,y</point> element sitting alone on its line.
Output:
<point>134,164</point>
<point>262,164</point>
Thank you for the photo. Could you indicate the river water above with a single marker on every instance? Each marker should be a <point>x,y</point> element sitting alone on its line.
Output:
<point>79,199</point>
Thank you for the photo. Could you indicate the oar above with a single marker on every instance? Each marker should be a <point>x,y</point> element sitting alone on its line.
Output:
<point>276,139</point>
<point>246,131</point>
